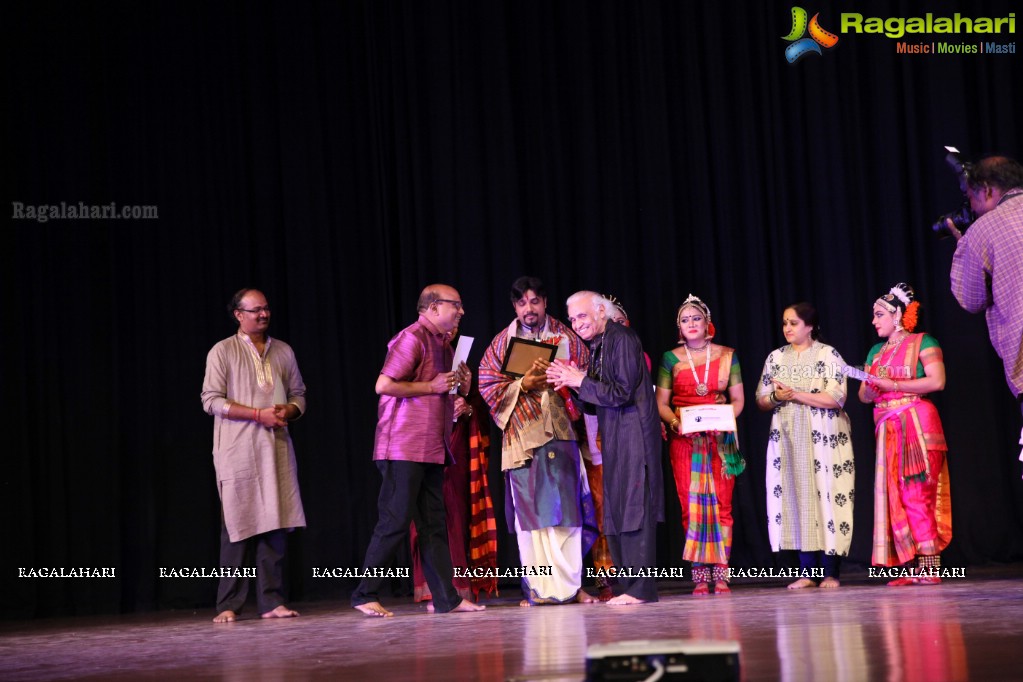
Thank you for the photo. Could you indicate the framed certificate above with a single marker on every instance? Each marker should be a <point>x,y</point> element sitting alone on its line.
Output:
<point>699,418</point>
<point>522,352</point>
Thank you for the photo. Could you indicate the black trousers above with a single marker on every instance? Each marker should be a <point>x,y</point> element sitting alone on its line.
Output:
<point>636,550</point>
<point>266,552</point>
<point>410,491</point>
<point>831,563</point>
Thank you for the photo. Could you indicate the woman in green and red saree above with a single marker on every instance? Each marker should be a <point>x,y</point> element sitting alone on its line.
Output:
<point>704,464</point>
<point>912,507</point>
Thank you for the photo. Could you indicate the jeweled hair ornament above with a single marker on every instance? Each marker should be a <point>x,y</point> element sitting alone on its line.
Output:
<point>617,304</point>
<point>694,302</point>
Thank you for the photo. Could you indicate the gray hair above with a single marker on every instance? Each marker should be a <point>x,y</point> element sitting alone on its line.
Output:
<point>596,301</point>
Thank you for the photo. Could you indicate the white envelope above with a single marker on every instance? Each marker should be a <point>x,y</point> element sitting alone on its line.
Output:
<point>461,355</point>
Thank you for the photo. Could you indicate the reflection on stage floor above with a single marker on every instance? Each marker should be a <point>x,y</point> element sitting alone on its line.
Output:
<point>962,629</point>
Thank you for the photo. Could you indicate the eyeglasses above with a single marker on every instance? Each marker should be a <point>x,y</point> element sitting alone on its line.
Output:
<point>256,311</point>
<point>457,304</point>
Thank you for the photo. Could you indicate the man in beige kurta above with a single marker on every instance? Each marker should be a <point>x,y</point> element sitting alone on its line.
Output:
<point>253,388</point>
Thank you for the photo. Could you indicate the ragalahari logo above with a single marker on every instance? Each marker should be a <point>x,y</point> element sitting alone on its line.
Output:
<point>801,46</point>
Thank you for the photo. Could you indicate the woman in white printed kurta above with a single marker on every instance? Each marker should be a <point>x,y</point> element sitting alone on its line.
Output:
<point>810,471</point>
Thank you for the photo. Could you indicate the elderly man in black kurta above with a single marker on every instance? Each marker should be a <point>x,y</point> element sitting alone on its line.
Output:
<point>618,385</point>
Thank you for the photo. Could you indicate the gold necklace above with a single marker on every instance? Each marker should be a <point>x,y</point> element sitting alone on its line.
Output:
<point>701,386</point>
<point>883,368</point>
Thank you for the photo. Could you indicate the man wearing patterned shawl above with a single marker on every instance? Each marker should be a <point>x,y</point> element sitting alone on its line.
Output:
<point>547,496</point>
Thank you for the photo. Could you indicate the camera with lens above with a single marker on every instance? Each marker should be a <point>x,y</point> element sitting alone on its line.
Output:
<point>963,216</point>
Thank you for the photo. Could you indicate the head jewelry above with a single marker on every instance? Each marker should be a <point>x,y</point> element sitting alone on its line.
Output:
<point>694,302</point>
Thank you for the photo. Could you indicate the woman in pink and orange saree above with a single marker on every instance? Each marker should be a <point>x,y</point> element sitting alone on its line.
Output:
<point>912,507</point>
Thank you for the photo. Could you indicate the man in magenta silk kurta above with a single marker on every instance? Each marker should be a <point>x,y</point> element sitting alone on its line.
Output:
<point>411,448</point>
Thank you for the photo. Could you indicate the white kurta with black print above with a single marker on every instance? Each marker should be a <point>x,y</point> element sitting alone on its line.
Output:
<point>810,472</point>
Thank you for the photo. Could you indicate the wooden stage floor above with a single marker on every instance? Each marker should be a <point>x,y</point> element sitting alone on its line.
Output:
<point>968,628</point>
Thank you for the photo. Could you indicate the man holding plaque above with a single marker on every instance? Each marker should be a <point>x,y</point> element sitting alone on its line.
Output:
<point>546,487</point>
<point>618,383</point>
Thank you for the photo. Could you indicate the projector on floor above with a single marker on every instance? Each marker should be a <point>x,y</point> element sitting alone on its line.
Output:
<point>663,660</point>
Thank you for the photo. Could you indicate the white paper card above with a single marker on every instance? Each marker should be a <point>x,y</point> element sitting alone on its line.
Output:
<point>857,373</point>
<point>697,418</point>
<point>461,355</point>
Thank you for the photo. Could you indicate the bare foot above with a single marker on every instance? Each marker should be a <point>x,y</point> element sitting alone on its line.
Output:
<point>466,594</point>
<point>701,589</point>
<point>375,609</point>
<point>539,601</point>
<point>228,616</point>
<point>625,600</point>
<point>468,607</point>
<point>465,605</point>
<point>802,584</point>
<point>830,583</point>
<point>281,611</point>
<point>721,587</point>
<point>584,597</point>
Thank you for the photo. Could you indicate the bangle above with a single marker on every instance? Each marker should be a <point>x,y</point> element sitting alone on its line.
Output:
<point>674,423</point>
<point>774,398</point>
<point>255,414</point>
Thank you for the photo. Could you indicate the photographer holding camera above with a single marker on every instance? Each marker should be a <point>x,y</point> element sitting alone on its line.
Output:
<point>987,269</point>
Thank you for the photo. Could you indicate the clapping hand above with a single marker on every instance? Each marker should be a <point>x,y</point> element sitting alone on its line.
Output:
<point>783,393</point>
<point>563,374</point>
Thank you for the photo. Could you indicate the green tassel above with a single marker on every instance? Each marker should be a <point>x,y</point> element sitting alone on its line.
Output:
<point>734,463</point>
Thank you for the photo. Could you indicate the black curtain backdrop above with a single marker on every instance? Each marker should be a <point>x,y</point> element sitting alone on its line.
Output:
<point>342,155</point>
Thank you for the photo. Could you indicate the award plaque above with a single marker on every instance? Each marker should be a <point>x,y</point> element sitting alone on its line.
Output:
<point>521,354</point>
